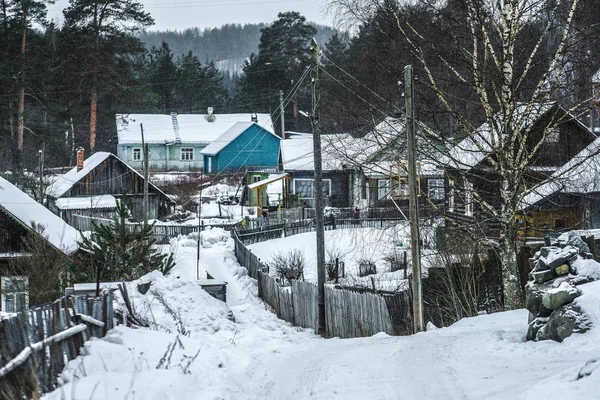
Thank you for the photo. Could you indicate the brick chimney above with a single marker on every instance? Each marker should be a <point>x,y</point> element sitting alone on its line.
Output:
<point>80,155</point>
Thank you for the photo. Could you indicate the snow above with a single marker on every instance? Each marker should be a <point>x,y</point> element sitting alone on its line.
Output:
<point>96,202</point>
<point>579,175</point>
<point>230,135</point>
<point>261,357</point>
<point>297,153</point>
<point>272,178</point>
<point>191,128</point>
<point>33,215</point>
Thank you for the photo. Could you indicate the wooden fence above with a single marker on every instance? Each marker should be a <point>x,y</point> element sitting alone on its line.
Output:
<point>35,345</point>
<point>162,232</point>
<point>348,313</point>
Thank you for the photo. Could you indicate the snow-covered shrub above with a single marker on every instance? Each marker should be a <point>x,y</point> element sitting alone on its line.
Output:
<point>289,264</point>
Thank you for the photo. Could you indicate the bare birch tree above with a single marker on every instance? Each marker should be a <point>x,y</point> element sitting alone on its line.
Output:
<point>507,55</point>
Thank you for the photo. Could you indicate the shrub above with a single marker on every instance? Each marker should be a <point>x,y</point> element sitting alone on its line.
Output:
<point>366,267</point>
<point>289,265</point>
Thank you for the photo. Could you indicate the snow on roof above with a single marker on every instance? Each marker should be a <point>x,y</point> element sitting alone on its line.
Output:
<point>188,128</point>
<point>74,203</point>
<point>33,215</point>
<point>473,149</point>
<point>65,182</point>
<point>229,136</point>
<point>272,178</point>
<point>297,153</point>
<point>580,175</point>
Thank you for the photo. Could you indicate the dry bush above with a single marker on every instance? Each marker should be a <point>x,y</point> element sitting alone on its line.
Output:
<point>289,265</point>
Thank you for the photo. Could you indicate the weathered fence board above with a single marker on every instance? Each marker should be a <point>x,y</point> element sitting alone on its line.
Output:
<point>35,345</point>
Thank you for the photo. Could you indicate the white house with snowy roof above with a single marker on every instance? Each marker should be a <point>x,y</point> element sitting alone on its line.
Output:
<point>175,141</point>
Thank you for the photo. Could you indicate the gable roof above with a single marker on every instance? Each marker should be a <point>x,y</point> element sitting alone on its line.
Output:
<point>580,175</point>
<point>32,215</point>
<point>229,136</point>
<point>65,182</point>
<point>473,149</point>
<point>297,152</point>
<point>184,128</point>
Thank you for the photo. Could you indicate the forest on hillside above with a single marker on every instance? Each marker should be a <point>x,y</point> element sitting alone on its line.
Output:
<point>61,86</point>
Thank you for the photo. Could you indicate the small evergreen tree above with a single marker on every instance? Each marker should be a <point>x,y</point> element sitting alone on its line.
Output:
<point>116,252</point>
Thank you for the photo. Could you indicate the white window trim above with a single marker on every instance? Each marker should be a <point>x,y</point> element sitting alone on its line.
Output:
<point>133,152</point>
<point>313,182</point>
<point>4,283</point>
<point>451,196</point>
<point>468,198</point>
<point>181,151</point>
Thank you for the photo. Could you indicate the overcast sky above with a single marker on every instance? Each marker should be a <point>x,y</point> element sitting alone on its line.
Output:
<point>182,14</point>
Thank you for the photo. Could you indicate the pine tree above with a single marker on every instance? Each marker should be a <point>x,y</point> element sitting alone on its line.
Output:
<point>116,252</point>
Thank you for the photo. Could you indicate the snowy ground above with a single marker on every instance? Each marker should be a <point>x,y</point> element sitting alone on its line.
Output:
<point>261,357</point>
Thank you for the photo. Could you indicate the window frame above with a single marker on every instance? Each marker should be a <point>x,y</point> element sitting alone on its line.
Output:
<point>137,151</point>
<point>7,294</point>
<point>313,187</point>
<point>189,154</point>
<point>437,192</point>
<point>468,198</point>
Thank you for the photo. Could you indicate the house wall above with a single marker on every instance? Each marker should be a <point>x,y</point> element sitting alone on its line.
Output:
<point>162,157</point>
<point>254,148</point>
<point>12,235</point>
<point>115,178</point>
<point>339,188</point>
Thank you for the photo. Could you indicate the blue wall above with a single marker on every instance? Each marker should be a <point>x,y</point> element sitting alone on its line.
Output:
<point>255,147</point>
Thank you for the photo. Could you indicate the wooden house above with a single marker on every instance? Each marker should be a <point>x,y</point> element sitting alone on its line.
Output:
<point>175,141</point>
<point>92,187</point>
<point>20,218</point>
<point>297,160</point>
<point>472,180</point>
<point>570,199</point>
<point>246,145</point>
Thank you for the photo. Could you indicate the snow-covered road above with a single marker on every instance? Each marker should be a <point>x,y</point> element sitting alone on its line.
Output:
<point>261,357</point>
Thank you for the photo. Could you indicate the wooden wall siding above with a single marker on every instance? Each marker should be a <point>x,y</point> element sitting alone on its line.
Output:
<point>340,187</point>
<point>11,234</point>
<point>163,157</point>
<point>255,147</point>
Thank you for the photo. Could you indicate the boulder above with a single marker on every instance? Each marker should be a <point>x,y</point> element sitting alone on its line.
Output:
<point>563,322</point>
<point>543,276</point>
<point>562,270</point>
<point>556,297</point>
<point>533,296</point>
<point>576,241</point>
<point>579,279</point>
<point>534,327</point>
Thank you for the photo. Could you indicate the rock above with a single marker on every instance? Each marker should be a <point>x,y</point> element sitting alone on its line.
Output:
<point>544,251</point>
<point>534,327</point>
<point>563,322</point>
<point>543,276</point>
<point>577,242</point>
<point>143,287</point>
<point>540,265</point>
<point>562,270</point>
<point>533,297</point>
<point>579,280</point>
<point>554,298</point>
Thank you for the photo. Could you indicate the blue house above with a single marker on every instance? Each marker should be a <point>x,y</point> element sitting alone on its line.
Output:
<point>245,145</point>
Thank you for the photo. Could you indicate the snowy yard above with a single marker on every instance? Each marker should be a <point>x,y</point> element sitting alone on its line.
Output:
<point>261,357</point>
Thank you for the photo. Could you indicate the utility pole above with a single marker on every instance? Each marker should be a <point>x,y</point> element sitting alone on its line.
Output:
<point>417,290</point>
<point>145,149</point>
<point>282,114</point>
<point>320,226</point>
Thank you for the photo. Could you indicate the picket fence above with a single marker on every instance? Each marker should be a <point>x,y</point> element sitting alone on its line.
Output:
<point>348,313</point>
<point>36,344</point>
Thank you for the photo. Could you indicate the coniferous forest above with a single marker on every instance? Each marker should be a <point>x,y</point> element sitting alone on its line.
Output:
<point>61,86</point>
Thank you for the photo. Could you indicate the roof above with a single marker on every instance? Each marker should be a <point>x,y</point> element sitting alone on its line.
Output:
<point>474,148</point>
<point>185,128</point>
<point>229,136</point>
<point>34,215</point>
<point>83,203</point>
<point>297,153</point>
<point>65,182</point>
<point>579,175</point>
<point>270,179</point>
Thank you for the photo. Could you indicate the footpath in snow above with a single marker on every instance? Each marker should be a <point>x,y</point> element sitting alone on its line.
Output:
<point>261,357</point>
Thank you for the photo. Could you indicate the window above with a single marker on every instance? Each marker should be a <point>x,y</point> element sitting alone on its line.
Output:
<point>560,224</point>
<point>451,196</point>
<point>435,189</point>
<point>383,189</point>
<point>468,198</point>
<point>256,178</point>
<point>136,154</point>
<point>187,154</point>
<point>15,293</point>
<point>306,188</point>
